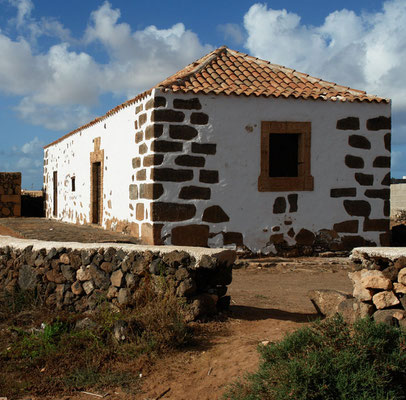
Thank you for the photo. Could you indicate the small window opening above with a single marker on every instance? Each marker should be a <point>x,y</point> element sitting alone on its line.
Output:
<point>73,180</point>
<point>283,155</point>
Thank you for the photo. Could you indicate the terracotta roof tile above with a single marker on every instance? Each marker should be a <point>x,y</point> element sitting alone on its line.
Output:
<point>226,71</point>
<point>248,74</point>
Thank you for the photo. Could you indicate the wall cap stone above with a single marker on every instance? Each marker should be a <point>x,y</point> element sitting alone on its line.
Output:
<point>199,253</point>
<point>390,253</point>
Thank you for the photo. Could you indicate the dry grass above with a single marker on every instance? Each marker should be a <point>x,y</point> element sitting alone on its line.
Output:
<point>58,357</point>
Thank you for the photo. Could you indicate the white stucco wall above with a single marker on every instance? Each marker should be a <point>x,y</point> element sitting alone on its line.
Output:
<point>71,157</point>
<point>238,161</point>
<point>235,127</point>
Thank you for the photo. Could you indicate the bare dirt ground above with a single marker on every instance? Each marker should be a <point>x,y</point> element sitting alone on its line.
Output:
<point>269,299</point>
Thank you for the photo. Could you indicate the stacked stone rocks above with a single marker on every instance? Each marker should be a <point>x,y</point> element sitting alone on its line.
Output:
<point>80,279</point>
<point>10,194</point>
<point>380,283</point>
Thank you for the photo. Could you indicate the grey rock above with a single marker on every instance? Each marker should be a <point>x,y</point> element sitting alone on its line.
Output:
<point>85,323</point>
<point>186,288</point>
<point>181,274</point>
<point>325,301</point>
<point>88,287</point>
<point>156,267</point>
<point>27,278</point>
<point>121,330</point>
<point>68,272</point>
<point>352,309</point>
<point>117,278</point>
<point>389,317</point>
<point>123,296</point>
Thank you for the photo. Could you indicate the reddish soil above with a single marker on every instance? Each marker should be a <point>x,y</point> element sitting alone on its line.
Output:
<point>269,299</point>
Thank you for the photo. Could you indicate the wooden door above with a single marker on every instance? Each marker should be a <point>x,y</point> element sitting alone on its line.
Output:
<point>55,187</point>
<point>96,192</point>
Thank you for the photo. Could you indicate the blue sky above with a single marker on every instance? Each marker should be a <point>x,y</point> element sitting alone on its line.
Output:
<point>63,63</point>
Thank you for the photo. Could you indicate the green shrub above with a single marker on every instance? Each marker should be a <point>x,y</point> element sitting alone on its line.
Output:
<point>329,361</point>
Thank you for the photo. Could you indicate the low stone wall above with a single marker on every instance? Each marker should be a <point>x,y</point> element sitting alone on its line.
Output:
<point>10,194</point>
<point>380,282</point>
<point>78,276</point>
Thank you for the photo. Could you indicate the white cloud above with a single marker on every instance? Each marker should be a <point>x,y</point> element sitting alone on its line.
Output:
<point>232,32</point>
<point>59,87</point>
<point>364,51</point>
<point>26,159</point>
<point>24,8</point>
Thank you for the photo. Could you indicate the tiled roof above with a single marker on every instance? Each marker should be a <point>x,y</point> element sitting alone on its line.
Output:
<point>226,71</point>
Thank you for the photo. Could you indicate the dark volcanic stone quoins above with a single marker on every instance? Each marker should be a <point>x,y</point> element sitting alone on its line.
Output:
<point>364,179</point>
<point>156,102</point>
<point>354,162</point>
<point>190,161</point>
<point>153,159</point>
<point>190,104</point>
<point>154,131</point>
<point>358,208</point>
<point>166,115</point>
<point>350,123</point>
<point>387,141</point>
<point>195,193</point>
<point>172,212</point>
<point>171,175</point>
<point>343,192</point>
<point>359,142</point>
<point>190,235</point>
<point>199,118</point>
<point>279,206</point>
<point>204,148</point>
<point>292,199</point>
<point>151,191</point>
<point>350,226</point>
<point>375,124</point>
<point>208,176</point>
<point>164,146</point>
<point>183,132</point>
<point>215,214</point>
<point>378,193</point>
<point>382,162</point>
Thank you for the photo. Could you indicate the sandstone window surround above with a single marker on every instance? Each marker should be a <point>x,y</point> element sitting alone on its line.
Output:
<point>299,177</point>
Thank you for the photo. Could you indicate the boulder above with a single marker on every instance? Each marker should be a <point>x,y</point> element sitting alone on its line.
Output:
<point>385,299</point>
<point>353,309</point>
<point>326,301</point>
<point>402,276</point>
<point>375,280</point>
<point>389,317</point>
<point>359,291</point>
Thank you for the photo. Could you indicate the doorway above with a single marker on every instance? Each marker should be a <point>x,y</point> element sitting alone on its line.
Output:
<point>96,193</point>
<point>55,187</point>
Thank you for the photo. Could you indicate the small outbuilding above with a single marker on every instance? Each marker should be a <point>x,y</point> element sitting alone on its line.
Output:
<point>232,151</point>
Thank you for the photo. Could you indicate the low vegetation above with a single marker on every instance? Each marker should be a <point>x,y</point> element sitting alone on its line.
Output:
<point>329,361</point>
<point>43,352</point>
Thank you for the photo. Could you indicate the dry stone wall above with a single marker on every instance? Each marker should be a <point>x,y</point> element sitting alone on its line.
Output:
<point>380,283</point>
<point>80,276</point>
<point>10,194</point>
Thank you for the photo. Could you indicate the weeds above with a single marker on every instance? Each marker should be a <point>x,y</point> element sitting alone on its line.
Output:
<point>86,358</point>
<point>330,361</point>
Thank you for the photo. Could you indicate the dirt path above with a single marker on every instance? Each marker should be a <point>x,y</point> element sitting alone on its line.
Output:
<point>267,303</point>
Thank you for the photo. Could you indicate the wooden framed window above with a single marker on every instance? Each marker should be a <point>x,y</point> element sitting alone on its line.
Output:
<point>285,157</point>
<point>73,181</point>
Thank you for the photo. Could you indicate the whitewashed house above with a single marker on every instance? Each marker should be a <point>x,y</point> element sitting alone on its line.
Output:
<point>231,150</point>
